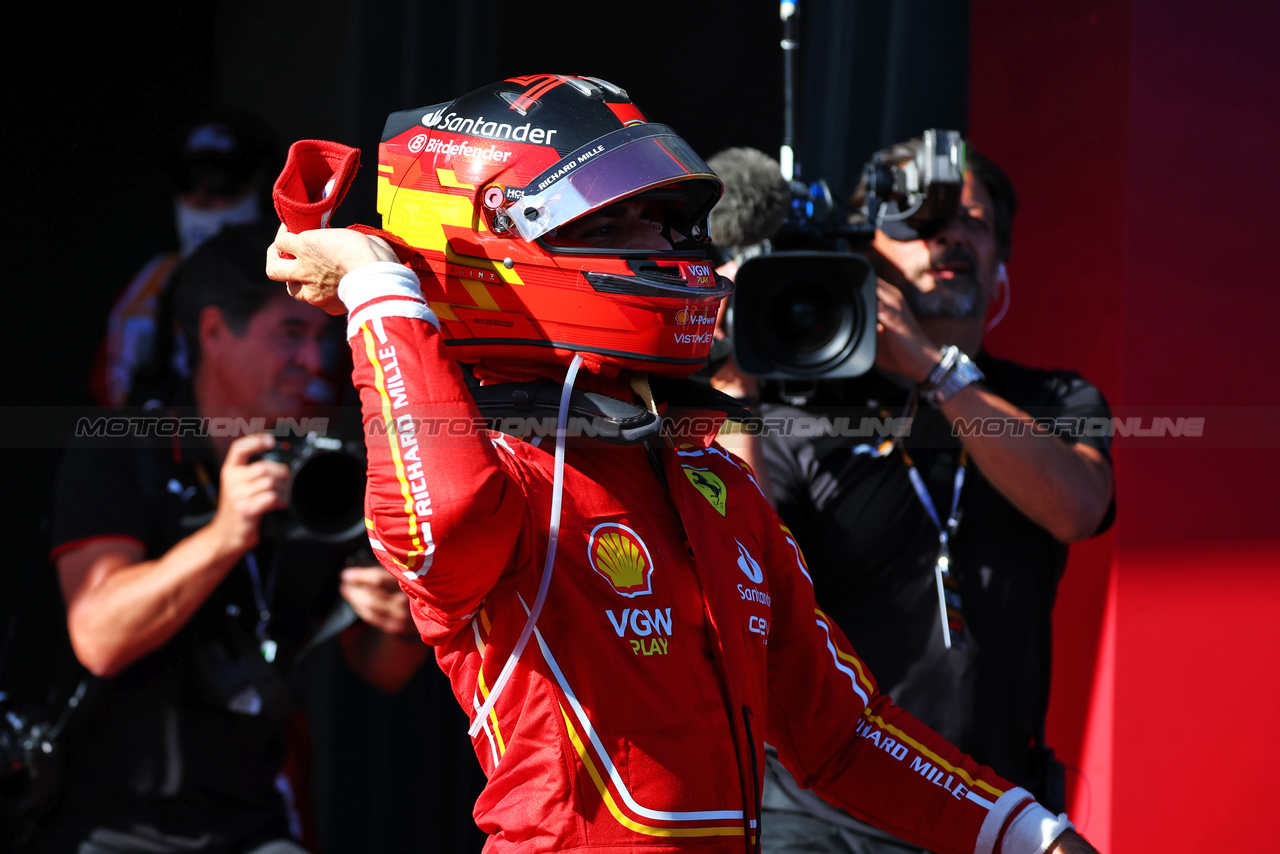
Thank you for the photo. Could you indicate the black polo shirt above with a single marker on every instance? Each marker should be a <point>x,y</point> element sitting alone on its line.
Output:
<point>181,750</point>
<point>872,549</point>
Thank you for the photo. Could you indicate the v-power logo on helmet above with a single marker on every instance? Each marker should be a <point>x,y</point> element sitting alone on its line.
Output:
<point>479,126</point>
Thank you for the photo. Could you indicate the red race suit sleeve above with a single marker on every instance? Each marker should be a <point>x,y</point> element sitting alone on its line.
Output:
<point>839,736</point>
<point>444,516</point>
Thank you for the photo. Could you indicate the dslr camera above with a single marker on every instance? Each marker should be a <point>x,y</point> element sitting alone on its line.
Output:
<point>31,759</point>
<point>326,489</point>
<point>27,744</point>
<point>806,309</point>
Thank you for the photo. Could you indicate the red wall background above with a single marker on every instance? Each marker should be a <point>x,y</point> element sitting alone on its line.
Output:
<point>1141,137</point>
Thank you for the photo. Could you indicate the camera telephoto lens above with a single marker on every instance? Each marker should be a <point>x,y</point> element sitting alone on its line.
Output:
<point>328,494</point>
<point>804,315</point>
<point>810,322</point>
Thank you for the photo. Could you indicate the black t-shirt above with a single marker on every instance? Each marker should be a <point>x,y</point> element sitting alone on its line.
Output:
<point>183,746</point>
<point>872,548</point>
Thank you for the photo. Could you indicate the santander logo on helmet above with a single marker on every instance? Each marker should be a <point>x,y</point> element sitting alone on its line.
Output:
<point>481,188</point>
<point>480,126</point>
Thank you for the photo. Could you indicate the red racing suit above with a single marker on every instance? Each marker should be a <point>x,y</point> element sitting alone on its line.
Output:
<point>679,632</point>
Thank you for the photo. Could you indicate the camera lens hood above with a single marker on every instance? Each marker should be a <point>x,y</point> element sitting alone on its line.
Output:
<point>805,315</point>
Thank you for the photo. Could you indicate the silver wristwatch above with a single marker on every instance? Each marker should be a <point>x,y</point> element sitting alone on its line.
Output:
<point>953,372</point>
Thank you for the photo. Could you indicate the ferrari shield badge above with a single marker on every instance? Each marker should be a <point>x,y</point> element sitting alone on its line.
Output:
<point>709,484</point>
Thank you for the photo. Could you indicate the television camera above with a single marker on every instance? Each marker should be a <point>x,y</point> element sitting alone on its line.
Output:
<point>805,308</point>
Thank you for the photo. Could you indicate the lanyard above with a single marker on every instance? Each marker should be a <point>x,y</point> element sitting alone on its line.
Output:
<point>262,596</point>
<point>262,593</point>
<point>948,587</point>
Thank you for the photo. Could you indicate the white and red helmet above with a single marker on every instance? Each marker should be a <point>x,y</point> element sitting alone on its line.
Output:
<point>480,186</point>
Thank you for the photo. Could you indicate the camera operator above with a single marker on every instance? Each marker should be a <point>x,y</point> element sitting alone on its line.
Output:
<point>939,553</point>
<point>183,601</point>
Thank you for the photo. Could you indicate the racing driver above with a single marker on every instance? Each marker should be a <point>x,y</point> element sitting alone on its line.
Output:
<point>618,609</point>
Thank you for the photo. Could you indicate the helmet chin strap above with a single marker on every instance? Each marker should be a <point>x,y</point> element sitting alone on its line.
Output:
<point>640,384</point>
<point>553,538</point>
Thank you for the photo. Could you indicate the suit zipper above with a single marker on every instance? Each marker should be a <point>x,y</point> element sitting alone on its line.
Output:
<point>755,783</point>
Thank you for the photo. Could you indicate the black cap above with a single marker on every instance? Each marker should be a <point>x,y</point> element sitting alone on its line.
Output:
<point>223,148</point>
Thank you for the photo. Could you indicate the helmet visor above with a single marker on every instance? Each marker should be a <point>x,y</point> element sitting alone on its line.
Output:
<point>617,165</point>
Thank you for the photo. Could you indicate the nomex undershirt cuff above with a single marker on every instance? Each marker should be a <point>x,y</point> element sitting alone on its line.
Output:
<point>382,289</point>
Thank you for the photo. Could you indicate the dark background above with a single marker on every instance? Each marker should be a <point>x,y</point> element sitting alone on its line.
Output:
<point>1138,134</point>
<point>92,98</point>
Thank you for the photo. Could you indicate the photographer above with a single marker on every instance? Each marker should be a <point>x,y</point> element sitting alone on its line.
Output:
<point>183,599</point>
<point>939,552</point>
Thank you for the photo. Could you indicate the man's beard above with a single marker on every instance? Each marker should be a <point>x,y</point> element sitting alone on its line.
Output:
<point>959,298</point>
